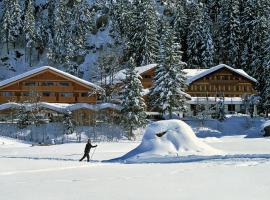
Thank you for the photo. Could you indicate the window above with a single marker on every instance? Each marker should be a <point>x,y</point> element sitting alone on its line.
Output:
<point>26,94</point>
<point>147,76</point>
<point>231,108</point>
<point>30,84</point>
<point>85,94</point>
<point>47,84</point>
<point>65,84</point>
<point>66,94</point>
<point>7,94</point>
<point>46,94</point>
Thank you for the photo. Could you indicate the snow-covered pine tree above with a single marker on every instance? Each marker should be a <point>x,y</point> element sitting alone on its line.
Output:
<point>169,83</point>
<point>119,12</point>
<point>180,25</point>
<point>200,42</point>
<point>133,105</point>
<point>6,24</point>
<point>57,51</point>
<point>142,33</point>
<point>220,109</point>
<point>229,32</point>
<point>150,42</point>
<point>29,29</point>
<point>16,20</point>
<point>254,22</point>
<point>68,123</point>
<point>23,117</point>
<point>263,76</point>
<point>82,23</point>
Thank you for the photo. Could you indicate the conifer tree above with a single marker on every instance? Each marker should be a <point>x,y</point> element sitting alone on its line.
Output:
<point>6,24</point>
<point>16,20</point>
<point>142,32</point>
<point>29,29</point>
<point>133,105</point>
<point>229,32</point>
<point>169,83</point>
<point>200,42</point>
<point>57,51</point>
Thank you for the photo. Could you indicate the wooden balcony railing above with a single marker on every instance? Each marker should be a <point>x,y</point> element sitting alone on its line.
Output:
<point>66,99</point>
<point>4,99</point>
<point>86,99</point>
<point>49,88</point>
<point>51,99</point>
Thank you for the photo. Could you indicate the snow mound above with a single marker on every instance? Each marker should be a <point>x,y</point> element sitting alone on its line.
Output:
<point>168,138</point>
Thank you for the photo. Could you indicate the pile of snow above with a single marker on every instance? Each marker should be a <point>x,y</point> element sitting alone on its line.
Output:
<point>168,139</point>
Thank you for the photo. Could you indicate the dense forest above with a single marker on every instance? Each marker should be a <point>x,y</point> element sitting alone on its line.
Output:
<point>62,33</point>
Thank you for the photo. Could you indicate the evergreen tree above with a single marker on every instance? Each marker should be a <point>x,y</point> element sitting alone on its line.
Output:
<point>29,29</point>
<point>57,51</point>
<point>142,32</point>
<point>133,105</point>
<point>229,32</point>
<point>180,26</point>
<point>68,123</point>
<point>6,24</point>
<point>169,83</point>
<point>16,20</point>
<point>199,41</point>
<point>220,109</point>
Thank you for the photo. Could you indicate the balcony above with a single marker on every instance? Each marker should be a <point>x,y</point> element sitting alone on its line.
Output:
<point>50,99</point>
<point>48,88</point>
<point>5,99</point>
<point>232,82</point>
<point>66,99</point>
<point>86,99</point>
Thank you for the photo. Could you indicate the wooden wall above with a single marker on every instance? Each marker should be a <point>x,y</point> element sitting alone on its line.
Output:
<point>19,91</point>
<point>222,82</point>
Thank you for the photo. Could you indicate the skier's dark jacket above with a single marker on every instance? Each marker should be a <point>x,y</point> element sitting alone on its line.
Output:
<point>88,146</point>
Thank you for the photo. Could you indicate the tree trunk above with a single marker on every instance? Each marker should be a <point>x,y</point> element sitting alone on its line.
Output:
<point>130,133</point>
<point>7,42</point>
<point>30,57</point>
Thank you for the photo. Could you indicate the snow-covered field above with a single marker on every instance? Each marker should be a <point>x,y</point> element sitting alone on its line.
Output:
<point>54,173</point>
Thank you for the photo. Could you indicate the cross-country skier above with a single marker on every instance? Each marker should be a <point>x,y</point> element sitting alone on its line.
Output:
<point>87,149</point>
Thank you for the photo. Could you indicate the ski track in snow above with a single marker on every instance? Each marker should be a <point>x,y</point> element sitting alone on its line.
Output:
<point>189,159</point>
<point>255,158</point>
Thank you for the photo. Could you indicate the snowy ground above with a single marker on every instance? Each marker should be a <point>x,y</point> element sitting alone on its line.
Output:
<point>53,173</point>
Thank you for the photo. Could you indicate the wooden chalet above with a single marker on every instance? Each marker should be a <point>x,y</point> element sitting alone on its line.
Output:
<point>47,84</point>
<point>206,86</point>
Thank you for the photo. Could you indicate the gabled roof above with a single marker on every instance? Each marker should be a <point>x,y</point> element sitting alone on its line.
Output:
<point>191,74</point>
<point>195,74</point>
<point>44,68</point>
<point>121,75</point>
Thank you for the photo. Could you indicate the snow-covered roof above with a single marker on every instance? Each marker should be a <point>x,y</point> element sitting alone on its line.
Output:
<point>40,69</point>
<point>61,107</point>
<point>193,75</point>
<point>213,100</point>
<point>121,75</point>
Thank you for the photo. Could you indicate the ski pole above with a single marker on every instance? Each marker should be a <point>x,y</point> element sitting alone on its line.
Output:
<point>93,153</point>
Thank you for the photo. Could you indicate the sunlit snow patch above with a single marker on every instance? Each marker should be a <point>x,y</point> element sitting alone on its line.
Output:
<point>166,140</point>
